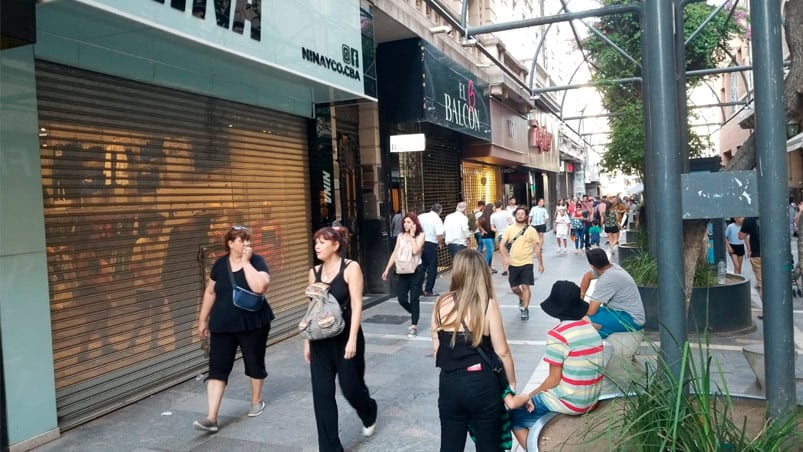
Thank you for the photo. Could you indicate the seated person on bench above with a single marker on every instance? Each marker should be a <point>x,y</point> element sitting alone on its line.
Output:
<point>615,305</point>
<point>574,352</point>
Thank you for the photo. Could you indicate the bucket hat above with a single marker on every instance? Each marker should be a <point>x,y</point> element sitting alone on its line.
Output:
<point>564,302</point>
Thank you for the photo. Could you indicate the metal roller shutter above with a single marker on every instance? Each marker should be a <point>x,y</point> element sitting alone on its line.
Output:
<point>140,183</point>
<point>432,176</point>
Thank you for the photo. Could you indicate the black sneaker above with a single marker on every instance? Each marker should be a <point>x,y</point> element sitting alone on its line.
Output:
<point>493,271</point>
<point>504,273</point>
<point>525,314</point>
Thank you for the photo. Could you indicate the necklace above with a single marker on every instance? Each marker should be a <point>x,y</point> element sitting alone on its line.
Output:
<point>328,274</point>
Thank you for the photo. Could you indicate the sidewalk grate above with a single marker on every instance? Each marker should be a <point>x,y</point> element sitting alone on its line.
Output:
<point>384,318</point>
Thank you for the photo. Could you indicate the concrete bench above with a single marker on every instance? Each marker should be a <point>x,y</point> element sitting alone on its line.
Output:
<point>620,363</point>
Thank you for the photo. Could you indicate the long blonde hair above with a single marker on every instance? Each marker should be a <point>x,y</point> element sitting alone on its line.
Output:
<point>471,289</point>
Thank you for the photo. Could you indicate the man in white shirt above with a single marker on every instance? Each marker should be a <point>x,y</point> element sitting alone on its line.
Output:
<point>432,225</point>
<point>455,229</point>
<point>511,206</point>
<point>500,220</point>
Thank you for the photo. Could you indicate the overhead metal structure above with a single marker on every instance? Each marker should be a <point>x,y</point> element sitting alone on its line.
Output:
<point>662,54</point>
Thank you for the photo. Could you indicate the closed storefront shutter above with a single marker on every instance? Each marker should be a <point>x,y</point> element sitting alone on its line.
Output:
<point>432,176</point>
<point>140,184</point>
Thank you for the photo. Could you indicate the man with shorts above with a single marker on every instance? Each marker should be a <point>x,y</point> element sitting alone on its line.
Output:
<point>519,242</point>
<point>538,218</point>
<point>615,305</point>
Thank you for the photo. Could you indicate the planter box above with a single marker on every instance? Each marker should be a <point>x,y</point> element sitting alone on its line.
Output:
<point>625,251</point>
<point>726,308</point>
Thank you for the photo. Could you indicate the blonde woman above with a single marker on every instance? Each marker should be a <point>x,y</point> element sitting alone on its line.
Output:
<point>464,319</point>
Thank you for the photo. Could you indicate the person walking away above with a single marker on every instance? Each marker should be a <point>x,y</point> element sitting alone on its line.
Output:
<point>735,245</point>
<point>227,327</point>
<point>410,244</point>
<point>500,220</point>
<point>594,232</point>
<point>562,225</point>
<point>750,231</point>
<point>477,212</point>
<point>611,225</point>
<point>488,237</point>
<point>463,320</point>
<point>538,218</point>
<point>455,229</point>
<point>432,225</point>
<point>615,306</point>
<point>341,356</point>
<point>574,352</point>
<point>395,226</point>
<point>523,243</point>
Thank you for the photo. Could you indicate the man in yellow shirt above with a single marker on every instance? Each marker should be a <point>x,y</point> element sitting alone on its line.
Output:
<point>519,242</point>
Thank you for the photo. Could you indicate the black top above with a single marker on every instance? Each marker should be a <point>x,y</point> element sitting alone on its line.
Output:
<point>462,355</point>
<point>227,318</point>
<point>338,287</point>
<point>751,226</point>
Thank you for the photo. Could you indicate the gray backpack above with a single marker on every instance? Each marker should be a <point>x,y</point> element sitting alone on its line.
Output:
<point>324,317</point>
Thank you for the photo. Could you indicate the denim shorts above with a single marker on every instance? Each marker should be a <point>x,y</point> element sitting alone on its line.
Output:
<point>520,418</point>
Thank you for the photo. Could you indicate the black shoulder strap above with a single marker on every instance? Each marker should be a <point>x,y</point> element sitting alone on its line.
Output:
<point>231,276</point>
<point>317,270</point>
<point>521,232</point>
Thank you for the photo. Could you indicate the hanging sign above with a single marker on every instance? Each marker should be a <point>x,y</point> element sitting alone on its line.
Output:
<point>411,142</point>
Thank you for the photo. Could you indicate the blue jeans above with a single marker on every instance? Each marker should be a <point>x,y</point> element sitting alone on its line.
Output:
<point>488,245</point>
<point>578,238</point>
<point>613,321</point>
<point>469,398</point>
<point>411,284</point>
<point>520,418</point>
<point>478,239</point>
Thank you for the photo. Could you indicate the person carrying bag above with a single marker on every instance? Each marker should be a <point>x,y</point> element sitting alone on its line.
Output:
<point>406,257</point>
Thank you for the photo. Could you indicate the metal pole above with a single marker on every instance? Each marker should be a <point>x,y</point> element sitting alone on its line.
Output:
<point>664,144</point>
<point>779,363</point>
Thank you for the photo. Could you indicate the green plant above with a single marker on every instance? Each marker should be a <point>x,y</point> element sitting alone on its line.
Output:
<point>643,267</point>
<point>691,413</point>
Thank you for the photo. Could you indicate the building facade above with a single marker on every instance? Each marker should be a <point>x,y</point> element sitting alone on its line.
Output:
<point>133,136</point>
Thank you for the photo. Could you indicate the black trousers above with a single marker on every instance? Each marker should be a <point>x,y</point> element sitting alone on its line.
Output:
<point>327,362</point>
<point>470,398</point>
<point>429,257</point>
<point>411,285</point>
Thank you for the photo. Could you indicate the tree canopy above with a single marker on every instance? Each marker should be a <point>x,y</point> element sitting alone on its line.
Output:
<point>624,100</point>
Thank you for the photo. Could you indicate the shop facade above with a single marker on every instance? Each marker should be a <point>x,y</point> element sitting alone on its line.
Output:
<point>133,155</point>
<point>423,91</point>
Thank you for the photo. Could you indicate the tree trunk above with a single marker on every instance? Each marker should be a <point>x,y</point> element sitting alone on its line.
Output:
<point>793,85</point>
<point>694,231</point>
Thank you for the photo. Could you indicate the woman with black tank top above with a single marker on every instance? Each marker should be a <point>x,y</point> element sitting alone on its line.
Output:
<point>469,391</point>
<point>344,354</point>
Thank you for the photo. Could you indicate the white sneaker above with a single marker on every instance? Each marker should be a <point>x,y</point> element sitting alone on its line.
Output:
<point>369,431</point>
<point>412,332</point>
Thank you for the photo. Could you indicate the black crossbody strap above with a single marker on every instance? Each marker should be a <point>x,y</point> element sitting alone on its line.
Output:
<point>231,275</point>
<point>479,349</point>
<point>521,232</point>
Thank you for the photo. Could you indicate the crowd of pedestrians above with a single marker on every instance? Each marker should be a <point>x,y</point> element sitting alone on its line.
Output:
<point>477,380</point>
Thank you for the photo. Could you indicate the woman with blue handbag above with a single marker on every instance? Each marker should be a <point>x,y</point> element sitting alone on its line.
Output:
<point>227,325</point>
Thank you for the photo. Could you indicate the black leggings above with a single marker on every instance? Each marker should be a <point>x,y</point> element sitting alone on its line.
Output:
<point>223,348</point>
